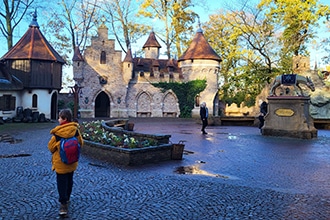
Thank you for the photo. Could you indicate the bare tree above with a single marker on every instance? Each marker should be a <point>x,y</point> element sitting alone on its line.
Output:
<point>176,16</point>
<point>120,14</point>
<point>72,23</point>
<point>11,15</point>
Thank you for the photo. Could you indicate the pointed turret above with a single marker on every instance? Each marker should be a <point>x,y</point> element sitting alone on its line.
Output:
<point>33,45</point>
<point>200,49</point>
<point>77,55</point>
<point>128,66</point>
<point>151,47</point>
<point>40,65</point>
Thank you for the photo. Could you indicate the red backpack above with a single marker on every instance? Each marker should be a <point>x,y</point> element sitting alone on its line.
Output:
<point>69,149</point>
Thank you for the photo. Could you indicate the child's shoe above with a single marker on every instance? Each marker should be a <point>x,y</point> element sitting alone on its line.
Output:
<point>63,209</point>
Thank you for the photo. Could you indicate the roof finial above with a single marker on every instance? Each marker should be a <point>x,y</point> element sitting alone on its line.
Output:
<point>34,22</point>
<point>199,30</point>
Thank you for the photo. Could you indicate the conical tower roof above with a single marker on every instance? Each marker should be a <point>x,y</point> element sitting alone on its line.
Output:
<point>77,55</point>
<point>152,41</point>
<point>128,57</point>
<point>200,49</point>
<point>33,45</point>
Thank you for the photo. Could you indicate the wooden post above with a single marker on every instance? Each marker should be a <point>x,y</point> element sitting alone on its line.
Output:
<point>75,90</point>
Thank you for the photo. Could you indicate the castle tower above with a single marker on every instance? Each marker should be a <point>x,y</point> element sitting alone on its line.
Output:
<point>151,47</point>
<point>200,61</point>
<point>300,64</point>
<point>78,66</point>
<point>128,66</point>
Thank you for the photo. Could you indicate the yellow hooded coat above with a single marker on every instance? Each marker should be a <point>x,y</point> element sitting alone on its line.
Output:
<point>66,131</point>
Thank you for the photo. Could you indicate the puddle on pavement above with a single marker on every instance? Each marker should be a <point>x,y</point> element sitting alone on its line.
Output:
<point>196,170</point>
<point>14,155</point>
<point>186,132</point>
<point>222,133</point>
<point>232,137</point>
<point>187,152</point>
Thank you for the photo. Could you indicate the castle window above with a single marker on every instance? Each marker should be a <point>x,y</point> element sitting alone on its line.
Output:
<point>34,101</point>
<point>103,57</point>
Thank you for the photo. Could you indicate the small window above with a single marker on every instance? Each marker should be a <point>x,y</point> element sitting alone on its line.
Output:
<point>7,102</point>
<point>197,101</point>
<point>34,101</point>
<point>103,57</point>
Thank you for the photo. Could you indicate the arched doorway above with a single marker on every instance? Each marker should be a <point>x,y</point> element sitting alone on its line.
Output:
<point>53,106</point>
<point>102,105</point>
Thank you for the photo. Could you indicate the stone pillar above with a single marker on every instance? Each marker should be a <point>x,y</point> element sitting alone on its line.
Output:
<point>289,116</point>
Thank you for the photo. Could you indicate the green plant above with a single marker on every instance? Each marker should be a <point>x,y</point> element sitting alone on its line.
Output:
<point>185,92</point>
<point>93,131</point>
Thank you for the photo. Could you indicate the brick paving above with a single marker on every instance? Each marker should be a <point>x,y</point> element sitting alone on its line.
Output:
<point>238,174</point>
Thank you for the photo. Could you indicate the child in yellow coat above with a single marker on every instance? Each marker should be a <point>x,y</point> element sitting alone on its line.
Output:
<point>64,172</point>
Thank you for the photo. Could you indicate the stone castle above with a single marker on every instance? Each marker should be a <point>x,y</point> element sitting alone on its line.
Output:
<point>111,87</point>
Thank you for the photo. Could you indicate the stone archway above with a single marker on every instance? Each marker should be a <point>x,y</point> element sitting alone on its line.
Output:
<point>170,108</point>
<point>143,105</point>
<point>102,105</point>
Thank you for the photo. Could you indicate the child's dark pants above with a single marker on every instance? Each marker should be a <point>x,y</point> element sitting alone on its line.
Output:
<point>64,186</point>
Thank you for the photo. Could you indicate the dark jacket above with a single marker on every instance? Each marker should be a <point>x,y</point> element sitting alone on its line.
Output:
<point>204,113</point>
<point>264,108</point>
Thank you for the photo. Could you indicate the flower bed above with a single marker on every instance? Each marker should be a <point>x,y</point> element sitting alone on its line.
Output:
<point>123,147</point>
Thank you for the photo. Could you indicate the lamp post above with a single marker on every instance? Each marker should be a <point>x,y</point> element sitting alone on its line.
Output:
<point>75,90</point>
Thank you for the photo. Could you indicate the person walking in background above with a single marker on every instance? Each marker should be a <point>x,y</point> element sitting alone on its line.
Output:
<point>204,113</point>
<point>263,112</point>
<point>64,172</point>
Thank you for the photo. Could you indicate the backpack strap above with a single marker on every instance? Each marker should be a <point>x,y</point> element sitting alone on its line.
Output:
<point>58,138</point>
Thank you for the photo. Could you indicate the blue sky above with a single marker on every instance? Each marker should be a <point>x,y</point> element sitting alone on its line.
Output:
<point>210,7</point>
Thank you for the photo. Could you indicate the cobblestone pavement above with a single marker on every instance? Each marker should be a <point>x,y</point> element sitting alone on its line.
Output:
<point>236,173</point>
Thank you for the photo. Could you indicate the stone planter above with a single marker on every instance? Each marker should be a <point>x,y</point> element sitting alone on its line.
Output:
<point>162,150</point>
<point>126,156</point>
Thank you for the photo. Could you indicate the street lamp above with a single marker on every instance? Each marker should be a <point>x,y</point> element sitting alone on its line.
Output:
<point>75,90</point>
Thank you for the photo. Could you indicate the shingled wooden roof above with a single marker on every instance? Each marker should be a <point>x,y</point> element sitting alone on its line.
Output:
<point>200,49</point>
<point>33,45</point>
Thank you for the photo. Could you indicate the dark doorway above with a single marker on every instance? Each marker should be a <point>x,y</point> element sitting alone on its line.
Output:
<point>102,105</point>
<point>53,107</point>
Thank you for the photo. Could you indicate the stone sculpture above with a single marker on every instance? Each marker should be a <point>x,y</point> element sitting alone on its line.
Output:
<point>292,79</point>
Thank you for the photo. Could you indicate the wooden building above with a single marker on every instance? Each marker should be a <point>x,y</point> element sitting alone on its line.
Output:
<point>31,73</point>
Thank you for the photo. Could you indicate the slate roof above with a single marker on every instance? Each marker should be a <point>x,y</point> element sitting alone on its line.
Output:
<point>200,49</point>
<point>33,45</point>
<point>77,55</point>
<point>128,57</point>
<point>146,64</point>
<point>8,82</point>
